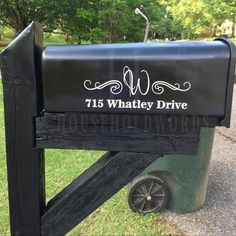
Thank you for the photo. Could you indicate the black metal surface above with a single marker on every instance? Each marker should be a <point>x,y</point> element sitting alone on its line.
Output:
<point>192,76</point>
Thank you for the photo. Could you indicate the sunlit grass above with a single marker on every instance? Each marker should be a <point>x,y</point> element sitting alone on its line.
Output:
<point>54,39</point>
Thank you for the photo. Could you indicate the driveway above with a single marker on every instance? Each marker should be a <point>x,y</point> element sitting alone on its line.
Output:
<point>218,216</point>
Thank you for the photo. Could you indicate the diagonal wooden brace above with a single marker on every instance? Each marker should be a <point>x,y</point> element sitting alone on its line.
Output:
<point>91,189</point>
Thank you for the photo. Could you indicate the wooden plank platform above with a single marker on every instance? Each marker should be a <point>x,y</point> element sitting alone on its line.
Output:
<point>68,131</point>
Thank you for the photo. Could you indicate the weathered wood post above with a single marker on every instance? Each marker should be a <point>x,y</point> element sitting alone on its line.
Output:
<point>25,165</point>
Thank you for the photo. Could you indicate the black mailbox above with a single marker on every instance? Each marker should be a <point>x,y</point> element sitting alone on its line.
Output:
<point>177,78</point>
<point>147,97</point>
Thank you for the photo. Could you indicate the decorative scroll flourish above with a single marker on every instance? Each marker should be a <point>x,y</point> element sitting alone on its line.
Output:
<point>134,86</point>
<point>158,87</point>
<point>116,86</point>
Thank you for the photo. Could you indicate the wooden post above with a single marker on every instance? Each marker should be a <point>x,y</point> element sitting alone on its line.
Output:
<point>24,163</point>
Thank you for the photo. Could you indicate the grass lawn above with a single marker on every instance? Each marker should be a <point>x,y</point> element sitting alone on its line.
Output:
<point>113,218</point>
<point>53,39</point>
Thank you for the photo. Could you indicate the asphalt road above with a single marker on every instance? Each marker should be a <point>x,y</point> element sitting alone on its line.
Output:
<point>218,216</point>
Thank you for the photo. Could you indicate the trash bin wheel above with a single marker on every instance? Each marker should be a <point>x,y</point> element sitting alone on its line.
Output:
<point>147,194</point>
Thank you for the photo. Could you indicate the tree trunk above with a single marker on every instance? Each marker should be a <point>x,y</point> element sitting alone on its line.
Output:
<point>214,31</point>
<point>189,33</point>
<point>79,41</point>
<point>233,28</point>
<point>183,34</point>
<point>67,38</point>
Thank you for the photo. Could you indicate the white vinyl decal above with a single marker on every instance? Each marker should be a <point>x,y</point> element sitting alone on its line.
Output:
<point>116,86</point>
<point>157,87</point>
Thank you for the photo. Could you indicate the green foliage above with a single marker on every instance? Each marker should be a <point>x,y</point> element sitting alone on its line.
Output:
<point>1,33</point>
<point>192,15</point>
<point>202,17</point>
<point>18,14</point>
<point>108,21</point>
<point>95,21</point>
<point>120,23</point>
<point>6,34</point>
<point>53,39</point>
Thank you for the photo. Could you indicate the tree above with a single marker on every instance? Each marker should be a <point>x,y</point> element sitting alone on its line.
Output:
<point>192,15</point>
<point>230,12</point>
<point>19,13</point>
<point>52,14</point>
<point>114,20</point>
<point>221,10</point>
<point>202,17</point>
<point>109,20</point>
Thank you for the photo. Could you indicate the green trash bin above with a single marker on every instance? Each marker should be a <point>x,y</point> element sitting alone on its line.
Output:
<point>185,177</point>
